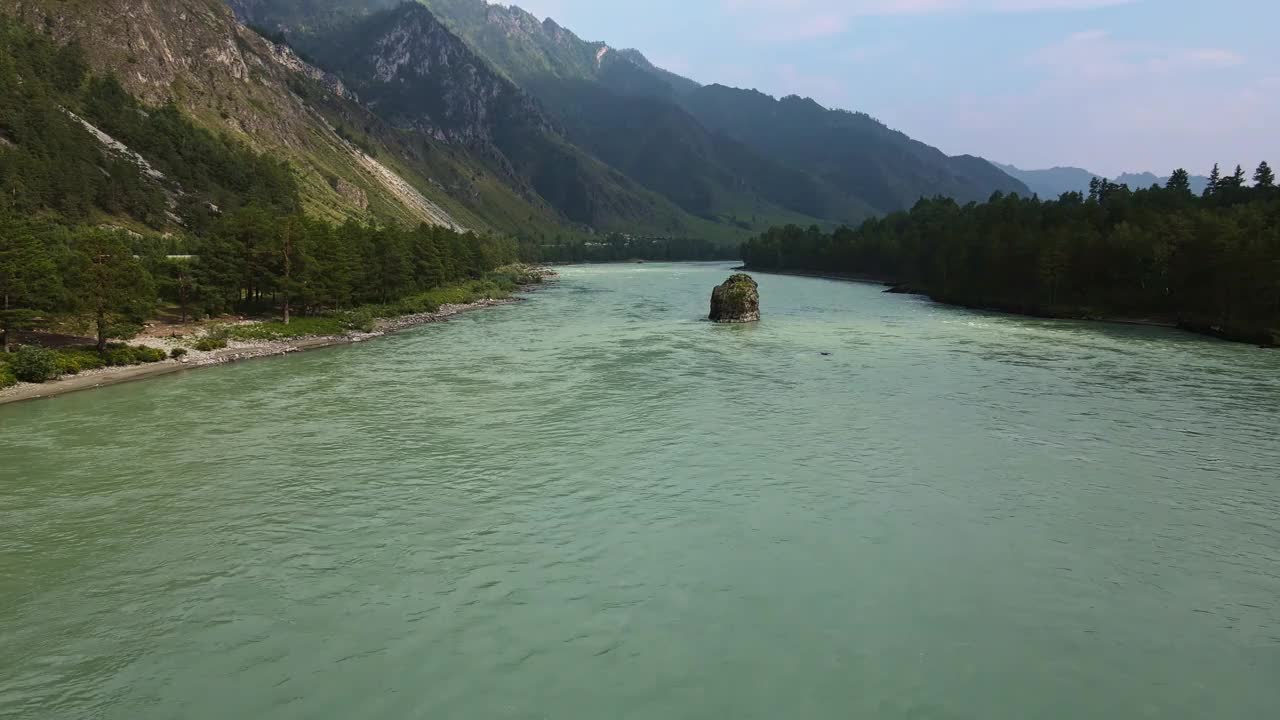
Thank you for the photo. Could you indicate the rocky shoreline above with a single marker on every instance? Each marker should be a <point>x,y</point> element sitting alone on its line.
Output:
<point>238,351</point>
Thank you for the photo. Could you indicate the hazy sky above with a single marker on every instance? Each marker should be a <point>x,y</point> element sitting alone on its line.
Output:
<point>1110,85</point>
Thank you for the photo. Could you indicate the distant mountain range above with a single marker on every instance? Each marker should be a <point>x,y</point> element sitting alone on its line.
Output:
<point>479,116</point>
<point>726,149</point>
<point>1052,183</point>
<point>606,137</point>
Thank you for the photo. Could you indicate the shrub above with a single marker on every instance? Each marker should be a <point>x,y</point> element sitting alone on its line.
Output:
<point>123,355</point>
<point>144,354</point>
<point>34,364</point>
<point>67,364</point>
<point>364,319</point>
<point>210,344</point>
<point>118,357</point>
<point>513,276</point>
<point>76,360</point>
<point>178,353</point>
<point>6,376</point>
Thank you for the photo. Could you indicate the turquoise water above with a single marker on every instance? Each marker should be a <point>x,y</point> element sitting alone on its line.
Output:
<point>595,505</point>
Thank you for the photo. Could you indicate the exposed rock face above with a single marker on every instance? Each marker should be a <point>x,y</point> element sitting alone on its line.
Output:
<point>736,301</point>
<point>231,80</point>
<point>412,71</point>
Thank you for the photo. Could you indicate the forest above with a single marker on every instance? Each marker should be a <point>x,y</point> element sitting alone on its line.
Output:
<point>1209,262</point>
<point>252,261</point>
<point>619,247</point>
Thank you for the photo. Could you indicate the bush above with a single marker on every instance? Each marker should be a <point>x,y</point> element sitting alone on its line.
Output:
<point>118,357</point>
<point>77,360</point>
<point>6,376</point>
<point>34,364</point>
<point>210,344</point>
<point>363,319</point>
<point>68,364</point>
<point>145,355</point>
<point>178,353</point>
<point>123,355</point>
<point>513,276</point>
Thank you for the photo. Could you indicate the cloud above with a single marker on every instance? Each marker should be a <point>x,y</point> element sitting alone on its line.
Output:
<point>860,54</point>
<point>1114,105</point>
<point>1213,57</point>
<point>855,8</point>
<point>795,20</point>
<point>807,28</point>
<point>1094,56</point>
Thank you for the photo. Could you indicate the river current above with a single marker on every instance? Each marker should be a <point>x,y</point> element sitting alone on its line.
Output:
<point>594,504</point>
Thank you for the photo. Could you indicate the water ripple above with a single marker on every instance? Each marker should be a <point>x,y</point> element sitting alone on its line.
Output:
<point>595,504</point>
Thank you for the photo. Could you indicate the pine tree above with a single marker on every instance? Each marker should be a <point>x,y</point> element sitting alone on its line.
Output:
<point>28,278</point>
<point>290,273</point>
<point>1215,181</point>
<point>1180,182</point>
<point>108,284</point>
<point>1264,177</point>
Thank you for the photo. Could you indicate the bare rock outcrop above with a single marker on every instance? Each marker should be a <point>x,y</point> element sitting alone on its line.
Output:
<point>737,300</point>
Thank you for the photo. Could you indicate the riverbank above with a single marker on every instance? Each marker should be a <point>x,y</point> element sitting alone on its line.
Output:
<point>1260,339</point>
<point>239,351</point>
<point>847,277</point>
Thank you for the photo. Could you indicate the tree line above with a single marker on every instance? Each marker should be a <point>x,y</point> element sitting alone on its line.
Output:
<point>619,247</point>
<point>1210,262</point>
<point>251,261</point>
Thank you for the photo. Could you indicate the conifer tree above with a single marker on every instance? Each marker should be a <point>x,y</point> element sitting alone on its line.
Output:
<point>1263,177</point>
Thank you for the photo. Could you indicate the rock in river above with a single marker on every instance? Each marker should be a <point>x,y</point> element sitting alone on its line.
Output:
<point>736,301</point>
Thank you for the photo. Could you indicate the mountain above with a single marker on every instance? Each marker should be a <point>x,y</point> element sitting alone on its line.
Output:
<point>413,73</point>
<point>847,165</point>
<point>489,120</point>
<point>1053,182</point>
<point>231,82</point>
<point>851,151</point>
<point>593,100</point>
<point>707,174</point>
<point>527,49</point>
<point>1147,179</point>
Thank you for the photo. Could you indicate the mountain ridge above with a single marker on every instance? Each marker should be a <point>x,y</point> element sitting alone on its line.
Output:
<point>414,73</point>
<point>839,198</point>
<point>385,111</point>
<point>560,69</point>
<point>1050,183</point>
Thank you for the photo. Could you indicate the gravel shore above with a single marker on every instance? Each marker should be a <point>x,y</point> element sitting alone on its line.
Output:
<point>236,351</point>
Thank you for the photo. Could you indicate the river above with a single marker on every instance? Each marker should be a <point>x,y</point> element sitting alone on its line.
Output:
<point>596,505</point>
